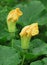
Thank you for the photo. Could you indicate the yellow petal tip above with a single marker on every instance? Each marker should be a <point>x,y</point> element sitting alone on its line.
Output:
<point>14,14</point>
<point>30,30</point>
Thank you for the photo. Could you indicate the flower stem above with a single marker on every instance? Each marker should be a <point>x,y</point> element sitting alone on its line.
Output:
<point>12,42</point>
<point>24,53</point>
<point>23,60</point>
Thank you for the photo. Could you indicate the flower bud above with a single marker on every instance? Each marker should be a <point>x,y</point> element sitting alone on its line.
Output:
<point>26,33</point>
<point>12,18</point>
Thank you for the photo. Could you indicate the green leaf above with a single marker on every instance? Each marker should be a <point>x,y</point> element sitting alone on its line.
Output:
<point>4,35</point>
<point>44,61</point>
<point>31,12</point>
<point>17,45</point>
<point>3,15</point>
<point>9,56</point>
<point>37,63</point>
<point>38,47</point>
<point>42,20</point>
<point>40,62</point>
<point>45,3</point>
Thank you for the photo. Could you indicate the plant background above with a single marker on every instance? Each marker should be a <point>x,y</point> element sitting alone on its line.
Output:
<point>34,11</point>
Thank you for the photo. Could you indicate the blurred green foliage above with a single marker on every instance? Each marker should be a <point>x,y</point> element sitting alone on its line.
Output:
<point>33,11</point>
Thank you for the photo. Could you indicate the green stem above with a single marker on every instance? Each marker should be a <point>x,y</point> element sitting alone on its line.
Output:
<point>12,42</point>
<point>23,60</point>
<point>24,52</point>
<point>12,39</point>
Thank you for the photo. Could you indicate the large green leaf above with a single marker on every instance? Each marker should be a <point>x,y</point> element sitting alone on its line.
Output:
<point>37,48</point>
<point>42,20</point>
<point>8,56</point>
<point>31,12</point>
<point>37,63</point>
<point>40,62</point>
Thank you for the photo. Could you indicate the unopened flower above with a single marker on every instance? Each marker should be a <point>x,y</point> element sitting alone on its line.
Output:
<point>30,30</point>
<point>27,32</point>
<point>12,17</point>
<point>14,14</point>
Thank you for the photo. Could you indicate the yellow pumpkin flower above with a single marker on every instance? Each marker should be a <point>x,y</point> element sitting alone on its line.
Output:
<point>30,30</point>
<point>26,33</point>
<point>14,14</point>
<point>12,17</point>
